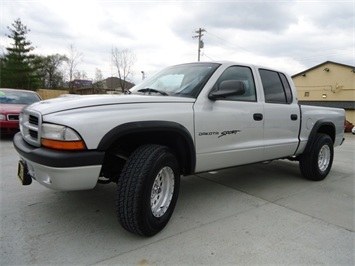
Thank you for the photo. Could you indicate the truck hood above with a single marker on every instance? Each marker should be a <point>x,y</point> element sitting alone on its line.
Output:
<point>69,102</point>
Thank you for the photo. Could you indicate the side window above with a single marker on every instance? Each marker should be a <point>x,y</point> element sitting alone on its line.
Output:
<point>243,74</point>
<point>274,87</point>
<point>287,88</point>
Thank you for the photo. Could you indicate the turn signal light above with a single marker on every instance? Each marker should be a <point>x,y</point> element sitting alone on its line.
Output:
<point>63,145</point>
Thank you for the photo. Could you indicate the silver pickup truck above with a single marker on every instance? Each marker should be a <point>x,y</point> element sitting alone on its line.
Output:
<point>186,119</point>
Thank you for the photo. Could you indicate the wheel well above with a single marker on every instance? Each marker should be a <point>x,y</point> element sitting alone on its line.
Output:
<point>121,148</point>
<point>320,127</point>
<point>328,130</point>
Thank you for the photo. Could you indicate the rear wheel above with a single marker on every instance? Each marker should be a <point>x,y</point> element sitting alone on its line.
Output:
<point>316,164</point>
<point>147,190</point>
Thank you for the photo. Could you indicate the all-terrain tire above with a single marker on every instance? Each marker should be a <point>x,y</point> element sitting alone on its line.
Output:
<point>316,164</point>
<point>147,190</point>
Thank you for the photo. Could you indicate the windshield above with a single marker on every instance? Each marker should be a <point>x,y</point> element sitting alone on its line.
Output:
<point>18,97</point>
<point>182,80</point>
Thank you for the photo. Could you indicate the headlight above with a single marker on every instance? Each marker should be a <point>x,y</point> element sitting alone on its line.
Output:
<point>2,117</point>
<point>61,137</point>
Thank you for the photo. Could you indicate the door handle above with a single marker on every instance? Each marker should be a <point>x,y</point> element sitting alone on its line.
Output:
<point>258,117</point>
<point>294,117</point>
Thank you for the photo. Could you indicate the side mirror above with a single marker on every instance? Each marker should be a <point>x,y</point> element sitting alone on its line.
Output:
<point>228,88</point>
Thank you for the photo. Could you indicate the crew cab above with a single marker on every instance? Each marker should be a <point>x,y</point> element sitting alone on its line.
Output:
<point>186,119</point>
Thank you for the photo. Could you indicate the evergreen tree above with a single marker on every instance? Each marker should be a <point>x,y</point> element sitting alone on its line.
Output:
<point>18,68</point>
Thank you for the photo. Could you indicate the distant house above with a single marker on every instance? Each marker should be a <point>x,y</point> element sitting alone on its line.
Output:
<point>78,83</point>
<point>82,86</point>
<point>328,84</point>
<point>110,85</point>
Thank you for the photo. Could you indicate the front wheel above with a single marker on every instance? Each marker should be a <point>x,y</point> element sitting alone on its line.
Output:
<point>316,164</point>
<point>147,190</point>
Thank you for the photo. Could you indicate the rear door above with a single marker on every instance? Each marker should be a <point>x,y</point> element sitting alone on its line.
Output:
<point>281,116</point>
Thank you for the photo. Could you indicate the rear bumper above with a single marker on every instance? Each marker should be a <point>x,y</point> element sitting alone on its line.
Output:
<point>60,170</point>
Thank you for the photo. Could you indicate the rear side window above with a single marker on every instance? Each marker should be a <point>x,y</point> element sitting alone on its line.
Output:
<point>287,88</point>
<point>276,87</point>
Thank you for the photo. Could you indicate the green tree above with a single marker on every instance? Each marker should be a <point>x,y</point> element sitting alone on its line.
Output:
<point>49,70</point>
<point>18,68</point>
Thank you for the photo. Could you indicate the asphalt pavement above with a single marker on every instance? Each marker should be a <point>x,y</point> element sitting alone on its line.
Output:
<point>263,214</point>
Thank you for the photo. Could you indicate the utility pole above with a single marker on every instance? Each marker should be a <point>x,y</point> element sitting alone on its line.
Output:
<point>200,42</point>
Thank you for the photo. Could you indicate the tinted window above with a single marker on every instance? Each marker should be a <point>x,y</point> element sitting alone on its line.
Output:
<point>287,88</point>
<point>243,74</point>
<point>273,88</point>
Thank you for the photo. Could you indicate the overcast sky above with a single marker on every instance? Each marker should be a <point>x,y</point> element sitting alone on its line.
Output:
<point>288,35</point>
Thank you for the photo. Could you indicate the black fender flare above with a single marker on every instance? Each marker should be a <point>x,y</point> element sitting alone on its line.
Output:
<point>150,126</point>
<point>316,129</point>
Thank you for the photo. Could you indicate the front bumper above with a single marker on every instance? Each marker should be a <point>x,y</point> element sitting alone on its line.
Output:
<point>60,170</point>
<point>9,127</point>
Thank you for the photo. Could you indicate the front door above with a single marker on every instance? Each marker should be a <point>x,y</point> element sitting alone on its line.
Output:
<point>229,132</point>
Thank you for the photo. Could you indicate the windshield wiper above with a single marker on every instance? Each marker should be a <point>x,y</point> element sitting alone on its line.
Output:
<point>149,90</point>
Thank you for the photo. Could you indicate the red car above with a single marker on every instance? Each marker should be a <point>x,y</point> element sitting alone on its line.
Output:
<point>11,103</point>
<point>348,126</point>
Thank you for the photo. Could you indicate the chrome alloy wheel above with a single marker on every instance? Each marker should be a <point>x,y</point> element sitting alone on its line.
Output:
<point>162,191</point>
<point>324,157</point>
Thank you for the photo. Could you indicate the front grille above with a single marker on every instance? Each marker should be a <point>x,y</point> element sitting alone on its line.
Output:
<point>33,120</point>
<point>30,125</point>
<point>12,117</point>
<point>33,134</point>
